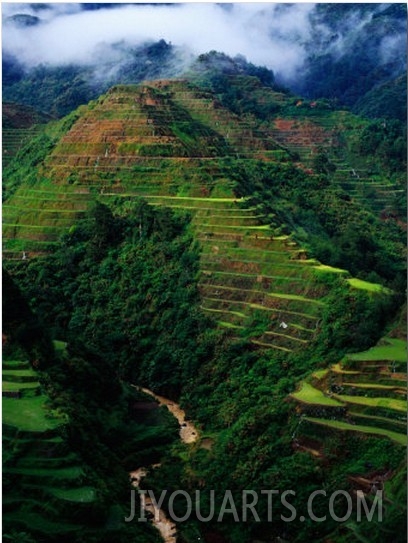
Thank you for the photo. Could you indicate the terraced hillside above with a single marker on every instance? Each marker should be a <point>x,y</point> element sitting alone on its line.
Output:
<point>38,468</point>
<point>311,131</point>
<point>165,141</point>
<point>14,139</point>
<point>19,125</point>
<point>366,393</point>
<point>351,418</point>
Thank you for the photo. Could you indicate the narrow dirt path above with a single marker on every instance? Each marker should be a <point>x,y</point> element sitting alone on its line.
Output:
<point>188,434</point>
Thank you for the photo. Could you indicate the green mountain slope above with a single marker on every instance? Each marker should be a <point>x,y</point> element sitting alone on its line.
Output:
<point>221,251</point>
<point>175,145</point>
<point>19,124</point>
<point>62,480</point>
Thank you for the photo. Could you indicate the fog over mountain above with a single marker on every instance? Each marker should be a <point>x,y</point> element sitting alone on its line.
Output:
<point>279,36</point>
<point>69,33</point>
<point>339,51</point>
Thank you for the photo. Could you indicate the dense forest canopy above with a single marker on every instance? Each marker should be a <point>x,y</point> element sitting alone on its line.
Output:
<point>120,290</point>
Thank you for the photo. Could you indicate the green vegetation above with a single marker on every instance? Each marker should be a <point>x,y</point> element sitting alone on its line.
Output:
<point>61,474</point>
<point>28,415</point>
<point>26,163</point>
<point>385,101</point>
<point>390,349</point>
<point>389,403</point>
<point>339,425</point>
<point>365,285</point>
<point>309,394</point>
<point>10,386</point>
<point>321,216</point>
<point>350,77</point>
<point>207,254</point>
<point>80,495</point>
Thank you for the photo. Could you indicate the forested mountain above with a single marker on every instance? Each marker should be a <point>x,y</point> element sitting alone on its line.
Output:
<point>345,51</point>
<point>220,241</point>
<point>346,65</point>
<point>225,244</point>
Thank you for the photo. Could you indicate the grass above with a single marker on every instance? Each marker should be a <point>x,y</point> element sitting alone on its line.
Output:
<point>286,336</point>
<point>271,346</point>
<point>372,386</point>
<point>72,472</point>
<point>225,324</point>
<point>280,310</point>
<point>365,285</point>
<point>286,296</point>
<point>340,425</point>
<point>19,373</point>
<point>380,421</point>
<point>393,349</point>
<point>319,374</point>
<point>310,395</point>
<point>388,403</point>
<point>60,346</point>
<point>16,364</point>
<point>331,269</point>
<point>255,275</point>
<point>85,494</point>
<point>28,414</point>
<point>9,386</point>
<point>302,328</point>
<point>337,368</point>
<point>188,198</point>
<point>227,311</point>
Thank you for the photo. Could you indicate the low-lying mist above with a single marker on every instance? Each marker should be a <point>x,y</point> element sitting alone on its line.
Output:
<point>337,51</point>
<point>278,36</point>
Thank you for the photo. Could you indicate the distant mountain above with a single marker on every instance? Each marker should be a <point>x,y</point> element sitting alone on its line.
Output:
<point>364,48</point>
<point>20,116</point>
<point>388,100</point>
<point>22,19</point>
<point>349,51</point>
<point>60,89</point>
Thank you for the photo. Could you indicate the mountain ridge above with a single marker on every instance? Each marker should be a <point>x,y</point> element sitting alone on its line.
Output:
<point>169,240</point>
<point>345,52</point>
<point>173,144</point>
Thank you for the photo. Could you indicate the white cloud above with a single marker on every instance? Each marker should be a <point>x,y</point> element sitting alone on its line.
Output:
<point>269,34</point>
<point>259,31</point>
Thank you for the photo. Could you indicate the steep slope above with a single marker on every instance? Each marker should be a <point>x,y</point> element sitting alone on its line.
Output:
<point>348,411</point>
<point>164,141</point>
<point>175,145</point>
<point>167,141</point>
<point>19,124</point>
<point>331,142</point>
<point>364,393</point>
<point>39,464</point>
<point>366,159</point>
<point>60,481</point>
<point>42,475</point>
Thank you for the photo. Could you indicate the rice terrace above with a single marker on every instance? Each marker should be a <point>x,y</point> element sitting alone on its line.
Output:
<point>204,273</point>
